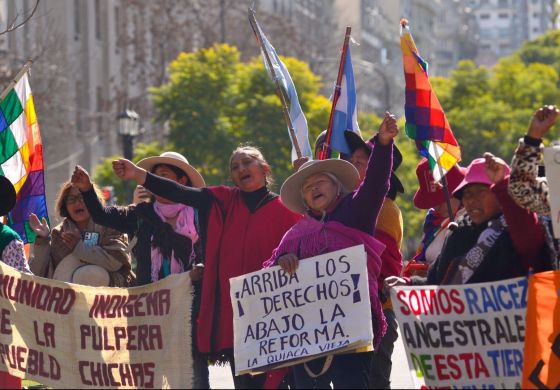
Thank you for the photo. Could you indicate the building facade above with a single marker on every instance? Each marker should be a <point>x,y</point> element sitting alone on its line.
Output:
<point>92,59</point>
<point>503,25</point>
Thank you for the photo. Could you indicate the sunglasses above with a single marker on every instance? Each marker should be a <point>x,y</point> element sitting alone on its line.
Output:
<point>71,199</point>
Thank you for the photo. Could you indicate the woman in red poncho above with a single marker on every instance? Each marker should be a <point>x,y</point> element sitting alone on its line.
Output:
<point>245,224</point>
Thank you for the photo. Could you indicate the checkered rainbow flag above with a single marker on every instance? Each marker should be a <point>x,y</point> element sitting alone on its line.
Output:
<point>425,120</point>
<point>21,156</point>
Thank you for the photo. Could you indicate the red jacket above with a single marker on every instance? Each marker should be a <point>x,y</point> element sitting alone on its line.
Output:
<point>238,243</point>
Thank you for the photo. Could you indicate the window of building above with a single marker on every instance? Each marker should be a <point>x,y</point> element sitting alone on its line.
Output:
<point>138,49</point>
<point>535,29</point>
<point>484,16</point>
<point>97,11</point>
<point>503,16</point>
<point>535,15</point>
<point>76,19</point>
<point>503,3</point>
<point>99,103</point>
<point>117,28</point>
<point>78,106</point>
<point>485,46</point>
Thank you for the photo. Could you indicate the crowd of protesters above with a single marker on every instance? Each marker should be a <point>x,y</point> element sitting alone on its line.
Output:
<point>496,224</point>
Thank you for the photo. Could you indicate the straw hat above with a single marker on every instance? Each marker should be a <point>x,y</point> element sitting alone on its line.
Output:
<point>72,269</point>
<point>7,196</point>
<point>176,160</point>
<point>290,193</point>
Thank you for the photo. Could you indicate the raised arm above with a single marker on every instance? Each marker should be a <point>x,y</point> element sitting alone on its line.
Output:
<point>525,187</point>
<point>122,219</point>
<point>40,262</point>
<point>527,235</point>
<point>168,189</point>
<point>369,197</point>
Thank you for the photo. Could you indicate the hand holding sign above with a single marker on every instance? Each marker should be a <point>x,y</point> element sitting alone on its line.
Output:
<point>393,281</point>
<point>543,119</point>
<point>289,263</point>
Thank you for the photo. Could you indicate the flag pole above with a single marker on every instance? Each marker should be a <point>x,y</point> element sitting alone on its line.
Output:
<point>256,31</point>
<point>336,94</point>
<point>452,225</point>
<point>16,78</point>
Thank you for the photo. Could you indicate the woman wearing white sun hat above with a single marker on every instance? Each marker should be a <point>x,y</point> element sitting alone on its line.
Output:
<point>169,236</point>
<point>338,216</point>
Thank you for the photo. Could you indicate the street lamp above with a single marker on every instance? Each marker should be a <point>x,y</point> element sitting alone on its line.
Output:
<point>129,127</point>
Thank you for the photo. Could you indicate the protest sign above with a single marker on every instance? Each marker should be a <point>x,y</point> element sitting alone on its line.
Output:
<point>463,336</point>
<point>552,169</point>
<point>281,320</point>
<point>69,336</point>
<point>541,368</point>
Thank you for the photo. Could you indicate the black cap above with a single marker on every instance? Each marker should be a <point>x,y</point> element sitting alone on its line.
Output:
<point>355,142</point>
<point>7,196</point>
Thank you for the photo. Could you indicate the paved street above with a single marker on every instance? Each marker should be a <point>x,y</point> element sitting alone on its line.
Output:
<point>220,377</point>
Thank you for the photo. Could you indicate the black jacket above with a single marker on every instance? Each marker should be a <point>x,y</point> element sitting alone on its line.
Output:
<point>141,222</point>
<point>501,262</point>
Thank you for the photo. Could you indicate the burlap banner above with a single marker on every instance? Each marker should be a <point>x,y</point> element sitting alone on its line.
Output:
<point>64,335</point>
<point>468,336</point>
<point>282,320</point>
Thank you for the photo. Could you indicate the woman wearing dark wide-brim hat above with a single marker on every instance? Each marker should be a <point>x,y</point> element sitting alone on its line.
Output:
<point>167,237</point>
<point>389,230</point>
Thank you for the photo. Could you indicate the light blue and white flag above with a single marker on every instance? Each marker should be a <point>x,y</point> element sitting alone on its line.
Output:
<point>296,114</point>
<point>346,110</point>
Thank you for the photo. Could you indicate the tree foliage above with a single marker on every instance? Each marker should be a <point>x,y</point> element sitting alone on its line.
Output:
<point>488,110</point>
<point>214,102</point>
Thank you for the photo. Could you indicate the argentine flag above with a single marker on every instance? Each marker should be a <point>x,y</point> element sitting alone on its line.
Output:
<point>346,110</point>
<point>296,114</point>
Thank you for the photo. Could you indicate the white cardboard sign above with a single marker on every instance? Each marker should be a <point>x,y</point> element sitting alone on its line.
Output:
<point>552,169</point>
<point>281,320</point>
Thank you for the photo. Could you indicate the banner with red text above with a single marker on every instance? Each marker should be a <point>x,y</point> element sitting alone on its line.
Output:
<point>468,336</point>
<point>69,336</point>
<point>323,308</point>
